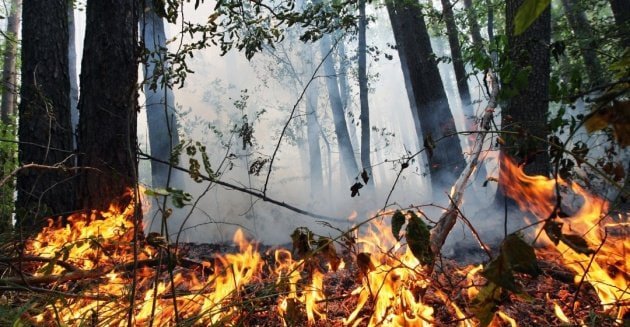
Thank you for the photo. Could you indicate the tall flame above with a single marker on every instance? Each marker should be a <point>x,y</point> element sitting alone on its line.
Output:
<point>607,271</point>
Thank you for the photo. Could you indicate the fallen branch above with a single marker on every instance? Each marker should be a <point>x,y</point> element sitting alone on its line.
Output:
<point>59,293</point>
<point>259,195</point>
<point>448,219</point>
<point>28,258</point>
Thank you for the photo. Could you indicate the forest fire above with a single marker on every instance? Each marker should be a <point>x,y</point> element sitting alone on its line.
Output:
<point>92,257</point>
<point>591,241</point>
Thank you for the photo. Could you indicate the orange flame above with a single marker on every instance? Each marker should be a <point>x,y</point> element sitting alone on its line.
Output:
<point>608,271</point>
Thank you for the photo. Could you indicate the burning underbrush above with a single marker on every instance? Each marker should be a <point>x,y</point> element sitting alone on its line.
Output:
<point>93,270</point>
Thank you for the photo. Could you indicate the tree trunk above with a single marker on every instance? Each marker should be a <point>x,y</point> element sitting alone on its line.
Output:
<point>312,132</point>
<point>107,106</point>
<point>456,56</point>
<point>346,96</point>
<point>586,40</point>
<point>45,132</point>
<point>446,162</point>
<point>9,73</point>
<point>346,151</point>
<point>72,64</point>
<point>526,112</point>
<point>621,12</point>
<point>363,94</point>
<point>160,102</point>
<point>475,31</point>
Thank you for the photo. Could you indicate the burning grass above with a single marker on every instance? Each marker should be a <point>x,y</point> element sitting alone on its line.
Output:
<point>94,271</point>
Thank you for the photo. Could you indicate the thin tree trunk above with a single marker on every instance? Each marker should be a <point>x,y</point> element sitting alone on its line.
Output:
<point>363,94</point>
<point>108,102</point>
<point>346,97</point>
<point>72,70</point>
<point>526,111</point>
<point>473,24</point>
<point>9,74</point>
<point>446,161</point>
<point>456,56</point>
<point>346,151</point>
<point>313,132</point>
<point>586,40</point>
<point>160,102</point>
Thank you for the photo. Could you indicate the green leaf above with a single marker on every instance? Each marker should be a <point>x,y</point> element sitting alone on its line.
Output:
<point>527,13</point>
<point>520,255</point>
<point>484,305</point>
<point>398,220</point>
<point>156,192</point>
<point>418,239</point>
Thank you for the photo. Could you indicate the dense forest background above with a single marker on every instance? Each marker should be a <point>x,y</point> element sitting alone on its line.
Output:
<point>223,110</point>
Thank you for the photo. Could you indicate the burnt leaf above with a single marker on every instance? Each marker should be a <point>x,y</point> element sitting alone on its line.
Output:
<point>364,263</point>
<point>520,255</point>
<point>364,176</point>
<point>484,305</point>
<point>429,144</point>
<point>327,248</point>
<point>499,272</point>
<point>354,189</point>
<point>398,220</point>
<point>302,238</point>
<point>553,229</point>
<point>418,239</point>
<point>577,243</point>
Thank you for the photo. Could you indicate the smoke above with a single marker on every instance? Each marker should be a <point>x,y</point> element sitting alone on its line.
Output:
<point>226,93</point>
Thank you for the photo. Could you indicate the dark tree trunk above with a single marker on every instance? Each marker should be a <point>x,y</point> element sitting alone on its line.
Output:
<point>475,31</point>
<point>45,133</point>
<point>160,102</point>
<point>456,56</point>
<point>446,162</point>
<point>363,94</point>
<point>526,112</point>
<point>586,40</point>
<point>9,73</point>
<point>107,106</point>
<point>346,151</point>
<point>621,12</point>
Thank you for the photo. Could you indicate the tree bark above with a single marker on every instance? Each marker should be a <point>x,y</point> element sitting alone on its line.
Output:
<point>363,94</point>
<point>9,74</point>
<point>621,12</point>
<point>526,111</point>
<point>45,132</point>
<point>346,151</point>
<point>446,162</point>
<point>107,106</point>
<point>586,40</point>
<point>160,101</point>
<point>456,56</point>
<point>475,31</point>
